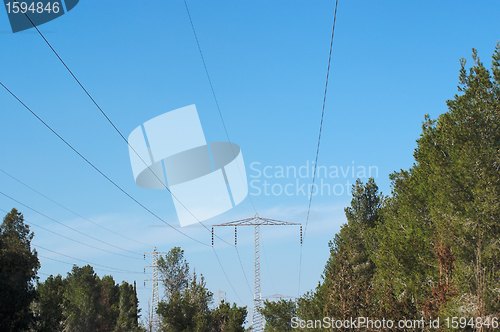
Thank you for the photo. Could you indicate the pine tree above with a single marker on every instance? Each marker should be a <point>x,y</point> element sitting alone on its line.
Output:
<point>278,315</point>
<point>109,301</point>
<point>227,318</point>
<point>350,269</point>
<point>128,317</point>
<point>18,267</point>
<point>81,300</point>
<point>49,305</point>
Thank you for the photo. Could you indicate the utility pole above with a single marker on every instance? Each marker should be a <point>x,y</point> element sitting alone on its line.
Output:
<point>256,222</point>
<point>155,296</point>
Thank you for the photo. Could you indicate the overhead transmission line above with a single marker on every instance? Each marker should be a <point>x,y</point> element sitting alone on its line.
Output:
<point>325,93</point>
<point>31,223</point>
<point>119,133</point>
<point>116,185</point>
<point>110,121</point>
<point>79,242</point>
<point>114,269</point>
<point>72,211</point>
<point>74,230</point>
<point>216,101</point>
<point>72,264</point>
<point>212,89</point>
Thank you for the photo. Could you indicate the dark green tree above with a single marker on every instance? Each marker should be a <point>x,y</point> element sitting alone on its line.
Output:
<point>187,300</point>
<point>128,318</point>
<point>404,256</point>
<point>278,315</point>
<point>109,301</point>
<point>227,318</point>
<point>49,305</point>
<point>312,305</point>
<point>187,310</point>
<point>81,300</point>
<point>18,268</point>
<point>457,160</point>
<point>438,247</point>
<point>174,271</point>
<point>350,269</point>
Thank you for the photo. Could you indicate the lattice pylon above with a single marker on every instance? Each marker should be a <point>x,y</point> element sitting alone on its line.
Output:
<point>256,222</point>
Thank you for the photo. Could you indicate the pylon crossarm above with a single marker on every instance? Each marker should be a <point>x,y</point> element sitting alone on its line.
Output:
<point>257,221</point>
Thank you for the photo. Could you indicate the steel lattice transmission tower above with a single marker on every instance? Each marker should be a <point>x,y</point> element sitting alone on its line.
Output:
<point>256,222</point>
<point>155,295</point>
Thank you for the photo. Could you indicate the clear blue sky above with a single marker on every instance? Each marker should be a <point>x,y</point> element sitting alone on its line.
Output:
<point>393,62</point>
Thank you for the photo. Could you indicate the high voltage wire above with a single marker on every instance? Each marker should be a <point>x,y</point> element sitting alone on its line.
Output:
<point>108,119</point>
<point>212,89</point>
<point>120,134</point>
<point>73,229</point>
<point>112,269</point>
<point>244,274</point>
<point>97,169</point>
<point>116,270</point>
<point>68,263</point>
<point>62,235</point>
<point>72,211</point>
<point>116,128</point>
<point>225,274</point>
<point>216,100</point>
<point>319,134</point>
<point>266,266</point>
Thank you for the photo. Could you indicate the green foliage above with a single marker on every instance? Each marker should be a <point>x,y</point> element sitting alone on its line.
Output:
<point>85,302</point>
<point>109,301</point>
<point>174,271</point>
<point>404,257</point>
<point>187,305</point>
<point>187,310</point>
<point>128,309</point>
<point>81,300</point>
<point>228,318</point>
<point>278,315</point>
<point>430,249</point>
<point>18,268</point>
<point>350,269</point>
<point>49,306</point>
<point>457,162</point>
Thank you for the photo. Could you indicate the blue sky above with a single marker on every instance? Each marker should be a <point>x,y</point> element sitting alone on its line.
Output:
<point>393,62</point>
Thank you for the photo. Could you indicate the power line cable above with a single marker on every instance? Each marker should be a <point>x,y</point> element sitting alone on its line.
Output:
<point>264,254</point>
<point>71,228</point>
<point>72,211</point>
<point>319,134</point>
<point>115,184</point>
<point>216,100</point>
<point>87,262</point>
<point>117,270</point>
<point>108,119</point>
<point>212,89</point>
<point>68,263</point>
<point>112,123</point>
<point>243,270</point>
<point>62,235</point>
<point>225,274</point>
<point>156,216</point>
